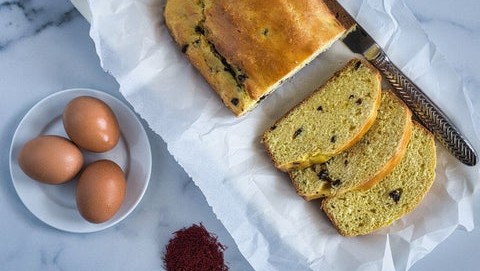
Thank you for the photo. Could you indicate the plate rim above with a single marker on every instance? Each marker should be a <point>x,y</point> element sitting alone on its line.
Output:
<point>147,161</point>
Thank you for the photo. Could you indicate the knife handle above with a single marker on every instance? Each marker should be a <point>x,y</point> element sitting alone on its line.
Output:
<point>425,110</point>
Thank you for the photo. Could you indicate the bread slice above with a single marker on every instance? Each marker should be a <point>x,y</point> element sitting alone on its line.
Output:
<point>365,163</point>
<point>327,122</point>
<point>245,49</point>
<point>360,212</point>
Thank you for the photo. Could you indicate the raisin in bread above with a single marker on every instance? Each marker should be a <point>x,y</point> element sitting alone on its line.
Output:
<point>360,212</point>
<point>365,163</point>
<point>330,120</point>
<point>245,49</point>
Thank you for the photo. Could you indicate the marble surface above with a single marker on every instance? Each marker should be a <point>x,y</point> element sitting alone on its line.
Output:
<point>45,47</point>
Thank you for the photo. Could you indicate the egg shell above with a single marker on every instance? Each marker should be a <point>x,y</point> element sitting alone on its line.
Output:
<point>100,191</point>
<point>91,124</point>
<point>50,159</point>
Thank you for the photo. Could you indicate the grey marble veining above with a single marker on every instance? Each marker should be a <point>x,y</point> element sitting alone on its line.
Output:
<point>25,18</point>
<point>45,47</point>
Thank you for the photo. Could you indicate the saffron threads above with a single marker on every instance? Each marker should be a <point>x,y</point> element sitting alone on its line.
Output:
<point>194,249</point>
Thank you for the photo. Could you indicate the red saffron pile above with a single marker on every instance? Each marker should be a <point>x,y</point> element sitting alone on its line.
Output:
<point>194,248</point>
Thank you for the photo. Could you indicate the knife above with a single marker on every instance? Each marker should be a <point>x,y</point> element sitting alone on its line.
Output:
<point>429,114</point>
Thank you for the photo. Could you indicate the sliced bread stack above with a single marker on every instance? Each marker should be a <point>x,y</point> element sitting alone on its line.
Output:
<point>365,163</point>
<point>329,121</point>
<point>359,212</point>
<point>366,157</point>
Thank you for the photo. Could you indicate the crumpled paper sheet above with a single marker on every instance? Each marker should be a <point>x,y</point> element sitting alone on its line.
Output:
<point>273,227</point>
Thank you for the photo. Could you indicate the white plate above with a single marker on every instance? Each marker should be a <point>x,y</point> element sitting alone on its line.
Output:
<point>55,204</point>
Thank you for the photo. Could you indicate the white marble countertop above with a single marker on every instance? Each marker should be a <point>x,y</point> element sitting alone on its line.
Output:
<point>45,47</point>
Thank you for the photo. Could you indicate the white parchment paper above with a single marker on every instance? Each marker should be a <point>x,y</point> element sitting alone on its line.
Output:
<point>273,227</point>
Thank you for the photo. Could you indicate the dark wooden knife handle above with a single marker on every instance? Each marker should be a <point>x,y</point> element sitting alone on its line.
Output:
<point>426,111</point>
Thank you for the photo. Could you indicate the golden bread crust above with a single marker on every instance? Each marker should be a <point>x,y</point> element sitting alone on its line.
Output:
<point>358,134</point>
<point>344,19</point>
<point>360,212</point>
<point>268,39</point>
<point>367,162</point>
<point>397,157</point>
<point>244,49</point>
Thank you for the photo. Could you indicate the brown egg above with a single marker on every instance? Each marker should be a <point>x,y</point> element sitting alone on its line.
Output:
<point>50,159</point>
<point>91,124</point>
<point>100,191</point>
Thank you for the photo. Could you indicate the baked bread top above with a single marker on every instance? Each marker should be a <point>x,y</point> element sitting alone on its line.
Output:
<point>245,49</point>
<point>365,163</point>
<point>345,19</point>
<point>330,120</point>
<point>359,212</point>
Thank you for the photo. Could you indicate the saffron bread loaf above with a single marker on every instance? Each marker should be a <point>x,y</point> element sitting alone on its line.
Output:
<point>332,119</point>
<point>346,20</point>
<point>359,212</point>
<point>365,163</point>
<point>245,49</point>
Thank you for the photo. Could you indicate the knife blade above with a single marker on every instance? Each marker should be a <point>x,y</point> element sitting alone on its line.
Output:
<point>425,110</point>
